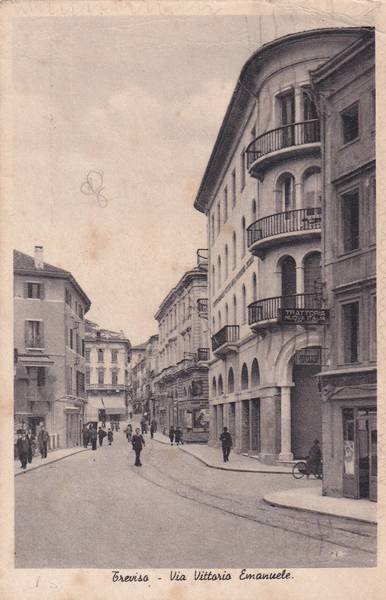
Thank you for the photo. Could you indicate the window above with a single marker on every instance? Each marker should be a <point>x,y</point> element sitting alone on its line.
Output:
<point>213,279</point>
<point>87,355</point>
<point>243,237</point>
<point>212,229</point>
<point>114,377</point>
<point>254,287</point>
<point>350,123</point>
<point>234,244</point>
<point>244,295</point>
<point>218,219</point>
<point>234,310</point>
<point>254,210</point>
<point>226,314</point>
<point>220,386</point>
<point>233,188</point>
<point>83,347</point>
<point>350,221</point>
<point>78,344</point>
<point>225,205</point>
<point>255,373</point>
<point>69,380</point>
<point>242,170</point>
<point>80,311</point>
<point>218,271</point>
<point>114,356</point>
<point>350,322</point>
<point>219,319</point>
<point>71,339</point>
<point>37,375</point>
<point>372,210</point>
<point>231,381</point>
<point>100,355</point>
<point>373,327</point>
<point>34,290</point>
<point>34,334</point>
<point>244,377</point>
<point>226,266</point>
<point>214,387</point>
<point>68,297</point>
<point>79,383</point>
<point>101,376</point>
<point>88,377</point>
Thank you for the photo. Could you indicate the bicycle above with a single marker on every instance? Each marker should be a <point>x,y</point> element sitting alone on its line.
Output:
<point>300,469</point>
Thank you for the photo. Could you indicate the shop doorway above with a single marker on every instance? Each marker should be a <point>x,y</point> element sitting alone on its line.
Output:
<point>254,425</point>
<point>360,453</point>
<point>306,415</point>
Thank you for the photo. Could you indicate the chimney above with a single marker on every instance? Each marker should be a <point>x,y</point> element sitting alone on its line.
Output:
<point>39,262</point>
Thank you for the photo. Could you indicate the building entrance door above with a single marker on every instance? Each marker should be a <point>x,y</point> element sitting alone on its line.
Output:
<point>359,453</point>
<point>306,417</point>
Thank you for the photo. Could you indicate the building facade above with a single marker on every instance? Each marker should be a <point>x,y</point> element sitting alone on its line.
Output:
<point>261,194</point>
<point>107,360</point>
<point>49,329</point>
<point>137,377</point>
<point>150,405</point>
<point>345,90</point>
<point>181,386</point>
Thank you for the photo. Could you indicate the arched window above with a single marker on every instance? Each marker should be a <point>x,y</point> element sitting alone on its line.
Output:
<point>312,279</point>
<point>231,381</point>
<point>220,386</point>
<point>234,310</point>
<point>226,314</point>
<point>312,188</point>
<point>226,266</point>
<point>285,193</point>
<point>218,272</point>
<point>225,211</point>
<point>255,373</point>
<point>219,320</point>
<point>254,210</point>
<point>243,237</point>
<point>244,297</point>
<point>254,287</point>
<point>213,279</point>
<point>288,282</point>
<point>244,377</point>
<point>212,229</point>
<point>218,218</point>
<point>214,387</point>
<point>234,250</point>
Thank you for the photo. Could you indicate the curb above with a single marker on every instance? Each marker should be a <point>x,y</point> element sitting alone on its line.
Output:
<point>220,468</point>
<point>51,461</point>
<point>317,512</point>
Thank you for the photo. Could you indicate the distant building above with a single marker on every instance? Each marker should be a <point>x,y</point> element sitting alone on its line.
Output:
<point>137,376</point>
<point>107,362</point>
<point>49,309</point>
<point>151,406</point>
<point>181,386</point>
<point>345,89</point>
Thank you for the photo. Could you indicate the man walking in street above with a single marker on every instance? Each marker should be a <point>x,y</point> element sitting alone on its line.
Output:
<point>22,448</point>
<point>85,433</point>
<point>101,435</point>
<point>138,443</point>
<point>93,438</point>
<point>110,436</point>
<point>314,460</point>
<point>43,438</point>
<point>226,443</point>
<point>171,434</point>
<point>152,430</point>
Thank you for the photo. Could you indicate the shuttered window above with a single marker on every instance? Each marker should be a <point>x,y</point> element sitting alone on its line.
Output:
<point>34,334</point>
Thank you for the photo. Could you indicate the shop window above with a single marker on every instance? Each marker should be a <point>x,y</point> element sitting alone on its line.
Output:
<point>350,320</point>
<point>350,221</point>
<point>350,123</point>
<point>348,441</point>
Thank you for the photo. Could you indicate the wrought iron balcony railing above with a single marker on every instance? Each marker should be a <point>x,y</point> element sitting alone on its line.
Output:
<point>295,134</point>
<point>269,309</point>
<point>202,354</point>
<point>228,334</point>
<point>302,219</point>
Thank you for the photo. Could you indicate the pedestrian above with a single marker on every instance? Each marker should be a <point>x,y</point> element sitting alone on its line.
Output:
<point>110,436</point>
<point>152,430</point>
<point>29,438</point>
<point>129,432</point>
<point>226,443</point>
<point>22,447</point>
<point>138,443</point>
<point>43,438</point>
<point>314,460</point>
<point>85,434</point>
<point>178,436</point>
<point>171,434</point>
<point>101,435</point>
<point>93,438</point>
<point>154,424</point>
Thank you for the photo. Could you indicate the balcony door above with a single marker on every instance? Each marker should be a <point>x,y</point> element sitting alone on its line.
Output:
<point>287,116</point>
<point>312,279</point>
<point>288,282</point>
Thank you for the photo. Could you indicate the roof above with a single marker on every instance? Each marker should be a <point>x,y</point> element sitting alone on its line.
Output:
<point>94,332</point>
<point>23,264</point>
<point>198,272</point>
<point>240,102</point>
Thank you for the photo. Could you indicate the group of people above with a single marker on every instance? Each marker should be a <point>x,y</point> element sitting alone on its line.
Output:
<point>175,435</point>
<point>91,435</point>
<point>26,445</point>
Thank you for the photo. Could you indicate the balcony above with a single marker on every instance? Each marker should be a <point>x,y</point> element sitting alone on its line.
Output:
<point>94,387</point>
<point>202,354</point>
<point>297,309</point>
<point>283,142</point>
<point>202,258</point>
<point>226,339</point>
<point>202,306</point>
<point>282,228</point>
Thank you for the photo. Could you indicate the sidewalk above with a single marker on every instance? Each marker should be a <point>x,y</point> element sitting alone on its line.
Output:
<point>311,499</point>
<point>212,457</point>
<point>52,457</point>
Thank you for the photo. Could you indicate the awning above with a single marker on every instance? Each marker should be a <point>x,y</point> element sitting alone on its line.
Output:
<point>36,361</point>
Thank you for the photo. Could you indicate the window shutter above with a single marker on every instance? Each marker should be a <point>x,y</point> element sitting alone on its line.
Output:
<point>25,285</point>
<point>26,331</point>
<point>41,334</point>
<point>42,291</point>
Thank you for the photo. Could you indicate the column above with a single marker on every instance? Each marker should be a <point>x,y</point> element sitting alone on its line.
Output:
<point>298,105</point>
<point>300,280</point>
<point>285,424</point>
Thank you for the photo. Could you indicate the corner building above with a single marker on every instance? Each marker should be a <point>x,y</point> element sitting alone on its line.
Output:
<point>345,91</point>
<point>261,194</point>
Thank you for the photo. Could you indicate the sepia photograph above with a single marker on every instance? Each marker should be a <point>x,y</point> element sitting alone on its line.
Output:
<point>193,223</point>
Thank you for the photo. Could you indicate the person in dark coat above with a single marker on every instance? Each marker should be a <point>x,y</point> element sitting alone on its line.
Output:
<point>129,432</point>
<point>172,433</point>
<point>30,440</point>
<point>22,447</point>
<point>178,436</point>
<point>93,438</point>
<point>138,443</point>
<point>226,443</point>
<point>101,435</point>
<point>110,436</point>
<point>86,435</point>
<point>43,438</point>
<point>314,460</point>
<point>152,430</point>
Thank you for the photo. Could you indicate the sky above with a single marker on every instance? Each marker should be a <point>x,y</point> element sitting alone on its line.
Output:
<point>140,100</point>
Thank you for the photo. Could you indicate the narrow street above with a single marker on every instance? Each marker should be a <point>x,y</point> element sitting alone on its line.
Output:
<point>96,510</point>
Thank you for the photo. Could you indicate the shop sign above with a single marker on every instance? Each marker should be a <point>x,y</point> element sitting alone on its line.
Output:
<point>308,356</point>
<point>303,316</point>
